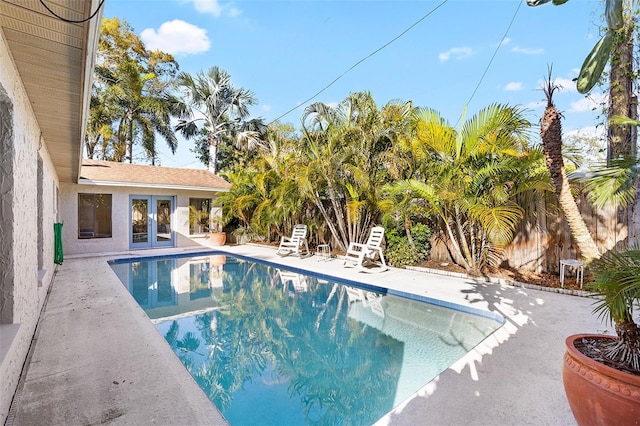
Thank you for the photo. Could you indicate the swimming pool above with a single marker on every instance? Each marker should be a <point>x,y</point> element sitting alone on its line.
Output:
<point>273,346</point>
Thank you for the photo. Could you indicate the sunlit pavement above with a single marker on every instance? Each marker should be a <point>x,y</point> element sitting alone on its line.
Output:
<point>96,358</point>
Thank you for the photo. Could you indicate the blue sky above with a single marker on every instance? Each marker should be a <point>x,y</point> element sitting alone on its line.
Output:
<point>287,51</point>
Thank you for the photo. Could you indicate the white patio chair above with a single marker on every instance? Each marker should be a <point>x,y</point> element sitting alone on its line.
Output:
<point>367,257</point>
<point>296,244</point>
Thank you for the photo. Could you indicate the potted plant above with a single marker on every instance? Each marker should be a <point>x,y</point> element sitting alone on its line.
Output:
<point>601,373</point>
<point>217,236</point>
<point>212,224</point>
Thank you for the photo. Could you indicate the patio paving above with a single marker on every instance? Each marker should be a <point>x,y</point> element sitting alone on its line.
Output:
<point>96,358</point>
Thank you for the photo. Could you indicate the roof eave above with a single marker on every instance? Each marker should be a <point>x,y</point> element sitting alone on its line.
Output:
<point>93,35</point>
<point>84,181</point>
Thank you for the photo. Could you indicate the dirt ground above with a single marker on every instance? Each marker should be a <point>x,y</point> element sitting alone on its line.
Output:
<point>544,279</point>
<point>539,278</point>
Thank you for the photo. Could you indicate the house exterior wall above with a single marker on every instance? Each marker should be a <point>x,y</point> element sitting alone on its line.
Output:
<point>120,225</point>
<point>29,184</point>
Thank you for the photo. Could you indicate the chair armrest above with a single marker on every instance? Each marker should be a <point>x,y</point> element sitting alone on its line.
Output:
<point>358,246</point>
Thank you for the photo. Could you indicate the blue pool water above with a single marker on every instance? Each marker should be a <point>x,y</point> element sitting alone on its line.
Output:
<point>275,347</point>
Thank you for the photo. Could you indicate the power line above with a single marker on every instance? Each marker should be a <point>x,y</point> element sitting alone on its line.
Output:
<point>495,52</point>
<point>363,59</point>
<point>71,20</point>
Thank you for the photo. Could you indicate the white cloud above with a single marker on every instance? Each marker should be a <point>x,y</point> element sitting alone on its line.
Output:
<point>565,84</point>
<point>213,7</point>
<point>589,103</point>
<point>514,86</point>
<point>457,52</point>
<point>177,37</point>
<point>526,50</point>
<point>265,107</point>
<point>505,40</point>
<point>207,6</point>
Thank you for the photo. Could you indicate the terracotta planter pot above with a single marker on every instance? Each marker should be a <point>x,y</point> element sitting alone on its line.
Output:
<point>218,238</point>
<point>598,394</point>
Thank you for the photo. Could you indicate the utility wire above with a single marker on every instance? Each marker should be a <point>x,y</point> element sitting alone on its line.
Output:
<point>495,52</point>
<point>71,20</point>
<point>363,59</point>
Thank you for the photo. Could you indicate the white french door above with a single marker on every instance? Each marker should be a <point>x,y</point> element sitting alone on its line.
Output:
<point>150,221</point>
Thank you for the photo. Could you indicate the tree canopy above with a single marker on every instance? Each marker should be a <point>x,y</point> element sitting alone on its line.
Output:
<point>128,100</point>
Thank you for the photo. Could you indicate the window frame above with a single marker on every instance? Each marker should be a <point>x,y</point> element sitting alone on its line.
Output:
<point>90,209</point>
<point>199,203</point>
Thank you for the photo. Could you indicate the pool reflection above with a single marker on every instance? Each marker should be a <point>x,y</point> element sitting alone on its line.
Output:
<point>272,346</point>
<point>166,287</point>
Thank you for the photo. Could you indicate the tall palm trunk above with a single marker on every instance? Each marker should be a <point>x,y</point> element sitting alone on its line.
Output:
<point>338,215</point>
<point>130,141</point>
<point>551,134</point>
<point>329,221</point>
<point>622,102</point>
<point>213,152</point>
<point>622,139</point>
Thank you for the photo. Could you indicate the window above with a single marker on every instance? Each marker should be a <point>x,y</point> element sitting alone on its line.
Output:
<point>199,210</point>
<point>94,215</point>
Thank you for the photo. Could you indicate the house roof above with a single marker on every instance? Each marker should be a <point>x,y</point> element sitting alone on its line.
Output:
<point>55,60</point>
<point>110,173</point>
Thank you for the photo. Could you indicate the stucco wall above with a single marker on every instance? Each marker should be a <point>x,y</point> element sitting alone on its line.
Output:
<point>119,241</point>
<point>24,284</point>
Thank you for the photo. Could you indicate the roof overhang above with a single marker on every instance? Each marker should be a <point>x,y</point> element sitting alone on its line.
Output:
<point>151,185</point>
<point>55,60</point>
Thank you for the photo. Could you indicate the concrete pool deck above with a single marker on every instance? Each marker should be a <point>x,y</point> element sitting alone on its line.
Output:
<point>96,358</point>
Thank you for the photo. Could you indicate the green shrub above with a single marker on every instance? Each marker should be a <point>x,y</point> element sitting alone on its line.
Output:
<point>398,251</point>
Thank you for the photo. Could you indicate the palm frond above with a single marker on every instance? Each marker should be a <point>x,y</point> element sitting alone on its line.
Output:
<point>613,182</point>
<point>617,282</point>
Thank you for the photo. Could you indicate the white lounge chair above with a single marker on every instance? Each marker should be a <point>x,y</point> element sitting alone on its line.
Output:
<point>367,257</point>
<point>296,244</point>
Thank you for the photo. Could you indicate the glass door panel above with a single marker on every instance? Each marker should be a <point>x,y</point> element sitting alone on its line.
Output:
<point>139,220</point>
<point>161,216</point>
<point>163,220</point>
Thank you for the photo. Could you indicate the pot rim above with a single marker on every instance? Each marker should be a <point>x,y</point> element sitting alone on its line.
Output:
<point>592,363</point>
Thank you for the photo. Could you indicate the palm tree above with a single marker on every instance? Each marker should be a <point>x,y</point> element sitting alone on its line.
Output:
<point>470,178</point>
<point>265,195</point>
<point>320,169</point>
<point>128,104</point>
<point>551,134</point>
<point>617,283</point>
<point>102,113</point>
<point>617,47</point>
<point>142,111</point>
<point>343,166</point>
<point>399,204</point>
<point>211,99</point>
